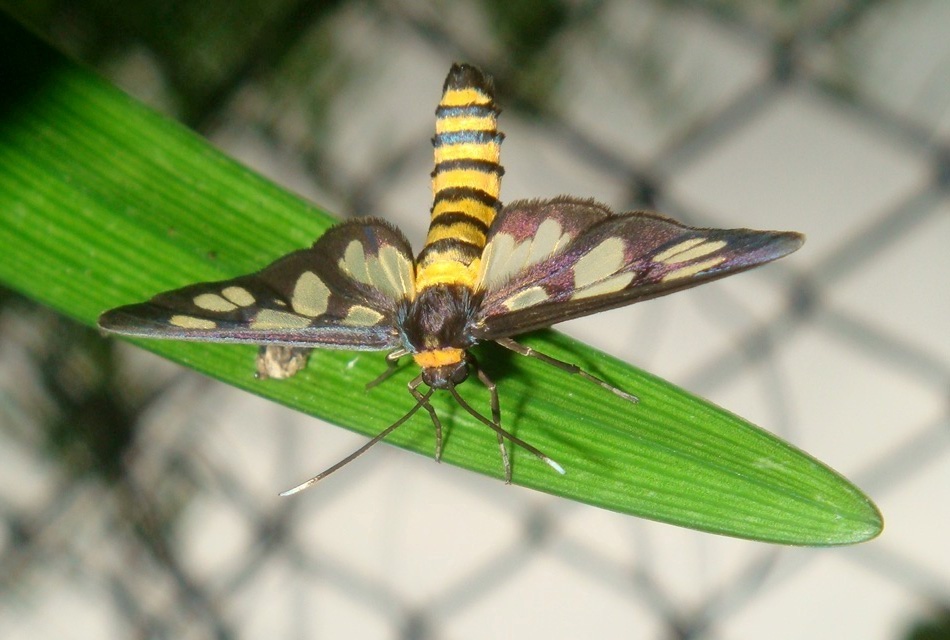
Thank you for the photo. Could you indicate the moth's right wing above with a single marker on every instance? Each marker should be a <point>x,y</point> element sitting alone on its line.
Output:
<point>550,261</point>
<point>344,292</point>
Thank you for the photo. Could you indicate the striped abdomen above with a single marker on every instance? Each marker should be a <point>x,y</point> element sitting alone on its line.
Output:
<point>465,182</point>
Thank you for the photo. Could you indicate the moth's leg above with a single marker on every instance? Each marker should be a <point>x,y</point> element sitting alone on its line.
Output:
<point>500,431</point>
<point>495,413</point>
<point>424,401</point>
<point>392,365</point>
<point>508,343</point>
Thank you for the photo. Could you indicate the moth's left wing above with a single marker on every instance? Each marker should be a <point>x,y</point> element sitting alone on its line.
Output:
<point>344,292</point>
<point>550,261</point>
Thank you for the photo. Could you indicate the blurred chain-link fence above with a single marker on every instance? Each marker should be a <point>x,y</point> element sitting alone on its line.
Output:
<point>138,500</point>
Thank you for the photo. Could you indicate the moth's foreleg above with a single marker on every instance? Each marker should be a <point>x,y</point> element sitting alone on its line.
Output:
<point>506,434</point>
<point>495,413</point>
<point>392,365</point>
<point>424,401</point>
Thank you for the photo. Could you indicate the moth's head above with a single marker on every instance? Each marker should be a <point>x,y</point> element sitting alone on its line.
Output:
<point>445,376</point>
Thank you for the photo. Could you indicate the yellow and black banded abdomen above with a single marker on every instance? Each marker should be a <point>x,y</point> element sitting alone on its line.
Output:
<point>465,182</point>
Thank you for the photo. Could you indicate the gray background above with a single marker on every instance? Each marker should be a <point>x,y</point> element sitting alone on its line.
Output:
<point>826,117</point>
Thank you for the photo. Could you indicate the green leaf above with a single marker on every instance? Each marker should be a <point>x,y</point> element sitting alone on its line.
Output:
<point>103,202</point>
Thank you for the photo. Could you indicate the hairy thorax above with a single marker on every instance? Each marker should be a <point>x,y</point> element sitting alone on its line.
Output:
<point>435,333</point>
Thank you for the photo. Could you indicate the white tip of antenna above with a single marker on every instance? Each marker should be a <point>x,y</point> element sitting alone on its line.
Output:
<point>297,489</point>
<point>554,465</point>
<point>626,396</point>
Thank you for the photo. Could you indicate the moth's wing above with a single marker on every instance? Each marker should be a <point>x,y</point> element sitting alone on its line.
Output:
<point>550,261</point>
<point>344,292</point>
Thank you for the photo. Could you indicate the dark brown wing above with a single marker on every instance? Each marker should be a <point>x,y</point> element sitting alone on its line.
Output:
<point>550,261</point>
<point>343,292</point>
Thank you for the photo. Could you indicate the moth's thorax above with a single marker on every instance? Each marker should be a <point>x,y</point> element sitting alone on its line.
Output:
<point>465,182</point>
<point>437,321</point>
<point>436,333</point>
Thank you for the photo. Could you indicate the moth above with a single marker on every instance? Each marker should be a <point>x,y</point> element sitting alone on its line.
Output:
<point>485,273</point>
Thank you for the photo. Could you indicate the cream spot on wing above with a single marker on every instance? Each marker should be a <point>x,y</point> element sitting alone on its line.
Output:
<point>495,261</point>
<point>503,258</point>
<point>354,262</point>
<point>546,242</point>
<point>599,263</point>
<point>610,285</point>
<point>272,319</point>
<point>377,277</point>
<point>698,251</point>
<point>677,248</point>
<point>692,269</point>
<point>213,302</point>
<point>517,258</point>
<point>390,272</point>
<point>486,260</point>
<point>360,316</point>
<point>239,296</point>
<point>398,270</point>
<point>527,298</point>
<point>693,252</point>
<point>188,322</point>
<point>311,296</point>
